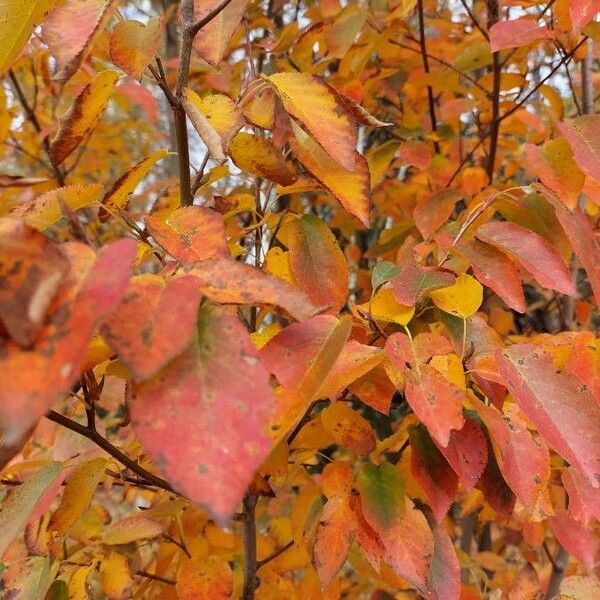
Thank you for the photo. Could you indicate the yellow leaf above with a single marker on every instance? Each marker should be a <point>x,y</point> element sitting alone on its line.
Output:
<point>277,262</point>
<point>258,156</point>
<point>350,187</point>
<point>461,299</point>
<point>17,20</point>
<point>45,210</point>
<point>115,577</point>
<point>318,110</point>
<point>348,429</point>
<point>131,529</point>
<point>124,186</point>
<point>216,118</point>
<point>78,494</point>
<point>385,307</point>
<point>450,366</point>
<point>77,124</point>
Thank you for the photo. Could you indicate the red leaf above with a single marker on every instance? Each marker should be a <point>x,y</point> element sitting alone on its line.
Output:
<point>532,251</point>
<point>466,453</point>
<point>584,362</point>
<point>523,460</point>
<point>432,471</point>
<point>436,402</point>
<point>574,538</point>
<point>203,419</point>
<point>228,281</point>
<point>517,33</point>
<point>431,212</point>
<point>564,412</point>
<point>335,533</point>
<point>154,323</point>
<point>582,237</point>
<point>444,575</point>
<point>495,490</point>
<point>582,12</point>
<point>495,270</point>
<point>582,135</point>
<point>584,500</point>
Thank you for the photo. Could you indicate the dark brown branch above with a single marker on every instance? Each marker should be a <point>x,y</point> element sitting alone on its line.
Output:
<point>442,62</point>
<point>274,555</point>
<point>156,577</point>
<point>493,8</point>
<point>559,568</point>
<point>95,437</point>
<point>430,99</point>
<point>250,562</point>
<point>32,118</point>
<point>484,33</point>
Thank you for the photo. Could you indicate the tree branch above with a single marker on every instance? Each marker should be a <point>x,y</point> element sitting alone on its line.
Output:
<point>430,100</point>
<point>250,562</point>
<point>94,436</point>
<point>32,117</point>
<point>559,568</point>
<point>493,8</point>
<point>274,555</point>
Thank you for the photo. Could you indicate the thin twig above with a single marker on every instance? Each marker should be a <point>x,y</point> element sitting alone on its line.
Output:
<point>156,577</point>
<point>250,562</point>
<point>484,33</point>
<point>274,555</point>
<point>430,100</point>
<point>95,437</point>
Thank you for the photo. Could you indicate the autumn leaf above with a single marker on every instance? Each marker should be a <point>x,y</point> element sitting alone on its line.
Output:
<point>131,529</point>
<point>317,263</point>
<point>216,118</point>
<point>133,45</point>
<point>532,252</point>
<point>78,123</point>
<point>334,536</point>
<point>564,412</point>
<point>259,156</point>
<point>218,384</point>
<point>124,186</point>
<point>17,22</point>
<point>16,508</point>
<point>204,579</point>
<point>231,282</point>
<point>45,210</point>
<point>32,379</point>
<point>308,100</point>
<point>462,298</point>
<point>70,45</point>
<point>154,322</point>
<point>581,133</point>
<point>523,459</point>
<point>351,187</point>
<point>414,282</point>
<point>432,471</point>
<point>516,33</point>
<point>212,41</point>
<point>381,490</point>
<point>190,234</point>
<point>348,428</point>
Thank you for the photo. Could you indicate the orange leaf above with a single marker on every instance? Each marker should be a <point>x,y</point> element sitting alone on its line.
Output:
<point>78,123</point>
<point>190,234</point>
<point>335,533</point>
<point>154,323</point>
<point>317,263</point>
<point>204,579</point>
<point>350,187</point>
<point>133,45</point>
<point>231,282</point>
<point>517,33</point>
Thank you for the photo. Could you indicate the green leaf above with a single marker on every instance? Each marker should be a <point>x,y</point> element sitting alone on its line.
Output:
<point>383,272</point>
<point>381,490</point>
